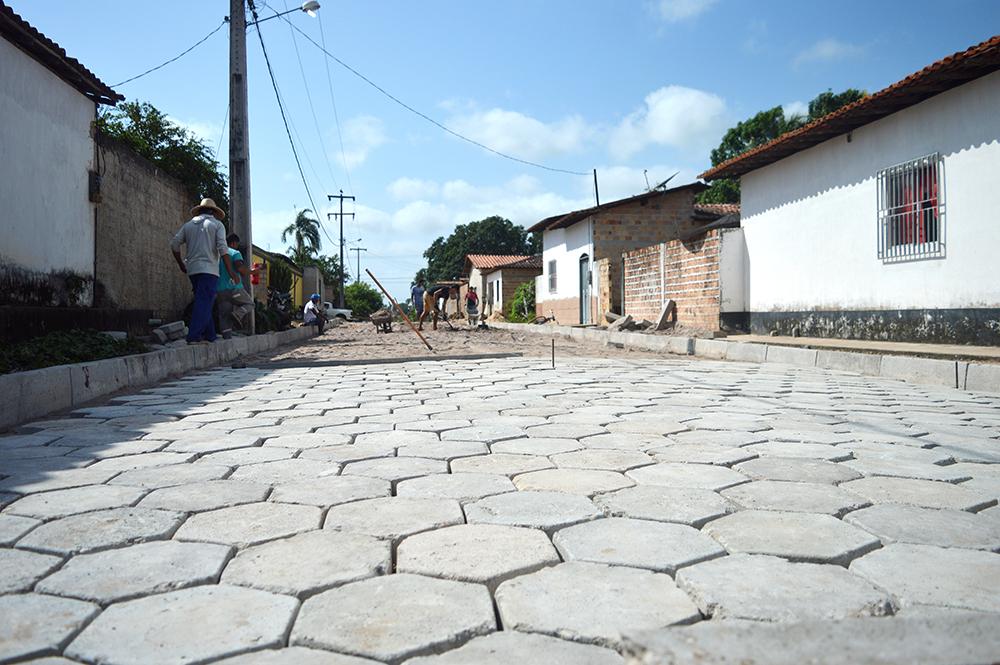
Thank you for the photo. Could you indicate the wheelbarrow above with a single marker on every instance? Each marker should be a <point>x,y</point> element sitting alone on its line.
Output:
<point>382,320</point>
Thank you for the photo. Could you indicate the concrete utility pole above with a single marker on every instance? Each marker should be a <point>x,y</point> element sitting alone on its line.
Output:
<point>239,143</point>
<point>358,250</point>
<point>340,215</point>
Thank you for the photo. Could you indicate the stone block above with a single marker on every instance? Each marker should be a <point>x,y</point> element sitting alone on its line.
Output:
<point>925,526</point>
<point>207,495</point>
<point>20,569</point>
<point>36,393</point>
<point>980,377</point>
<point>693,507</point>
<point>667,317</point>
<point>395,617</point>
<point>506,647</point>
<point>697,476</point>
<point>504,464</point>
<point>920,493</point>
<point>249,524</point>
<point>160,336</point>
<point>710,348</point>
<point>606,459</point>
<point>13,527</point>
<point>746,352</point>
<point>172,329</point>
<point>330,491</point>
<point>701,453</point>
<point>794,497</point>
<point>587,482</point>
<point>102,529</point>
<point>35,625</point>
<point>920,370</point>
<point>682,346</point>
<point>791,355</point>
<point>459,486</point>
<point>394,518</point>
<point>867,364</point>
<point>61,503</point>
<point>548,511</point>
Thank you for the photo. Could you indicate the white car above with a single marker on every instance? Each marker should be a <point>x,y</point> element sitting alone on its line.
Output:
<point>334,313</point>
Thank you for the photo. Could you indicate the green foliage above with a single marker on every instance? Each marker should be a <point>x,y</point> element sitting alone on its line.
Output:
<point>167,145</point>
<point>266,320</point>
<point>280,277</point>
<point>362,299</point>
<point>304,231</point>
<point>522,306</point>
<point>762,128</point>
<point>493,235</point>
<point>64,347</point>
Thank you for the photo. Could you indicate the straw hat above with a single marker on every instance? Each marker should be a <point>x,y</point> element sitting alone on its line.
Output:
<point>209,205</point>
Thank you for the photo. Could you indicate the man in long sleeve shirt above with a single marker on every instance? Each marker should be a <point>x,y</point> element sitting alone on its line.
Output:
<point>205,238</point>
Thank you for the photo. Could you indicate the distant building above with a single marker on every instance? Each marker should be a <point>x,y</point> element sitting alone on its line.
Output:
<point>882,220</point>
<point>49,171</point>
<point>497,276</point>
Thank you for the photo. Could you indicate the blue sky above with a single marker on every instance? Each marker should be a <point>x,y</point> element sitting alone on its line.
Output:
<point>621,86</point>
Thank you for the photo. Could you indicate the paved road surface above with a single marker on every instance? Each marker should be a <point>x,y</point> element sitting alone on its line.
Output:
<point>498,511</point>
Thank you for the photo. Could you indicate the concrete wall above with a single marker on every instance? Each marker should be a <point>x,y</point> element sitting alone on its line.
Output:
<point>734,266</point>
<point>140,211</point>
<point>811,219</point>
<point>505,281</point>
<point>46,218</point>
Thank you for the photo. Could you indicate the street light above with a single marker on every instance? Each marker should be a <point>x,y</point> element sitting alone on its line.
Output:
<point>310,8</point>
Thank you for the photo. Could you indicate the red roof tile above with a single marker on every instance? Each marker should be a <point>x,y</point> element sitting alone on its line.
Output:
<point>945,74</point>
<point>717,208</point>
<point>494,261</point>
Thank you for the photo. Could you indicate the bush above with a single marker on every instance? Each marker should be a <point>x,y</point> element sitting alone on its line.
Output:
<point>64,347</point>
<point>522,307</point>
<point>279,277</point>
<point>362,299</point>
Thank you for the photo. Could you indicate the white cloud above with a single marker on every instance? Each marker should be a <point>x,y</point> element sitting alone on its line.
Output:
<point>827,50</point>
<point>408,189</point>
<point>673,11</point>
<point>521,135</point>
<point>673,116</point>
<point>362,135</point>
<point>208,132</point>
<point>795,108</point>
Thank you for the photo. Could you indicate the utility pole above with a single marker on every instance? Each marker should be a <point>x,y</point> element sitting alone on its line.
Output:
<point>340,215</point>
<point>239,143</point>
<point>358,250</point>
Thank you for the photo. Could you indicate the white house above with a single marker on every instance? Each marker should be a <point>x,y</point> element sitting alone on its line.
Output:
<point>496,276</point>
<point>48,102</point>
<point>882,219</point>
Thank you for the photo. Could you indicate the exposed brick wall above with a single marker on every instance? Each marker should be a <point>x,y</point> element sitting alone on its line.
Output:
<point>510,279</point>
<point>690,278</point>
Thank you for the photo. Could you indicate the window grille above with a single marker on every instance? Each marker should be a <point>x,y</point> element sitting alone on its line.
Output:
<point>911,220</point>
<point>552,276</point>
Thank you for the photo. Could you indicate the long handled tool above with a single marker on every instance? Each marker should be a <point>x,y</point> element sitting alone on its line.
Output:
<point>400,310</point>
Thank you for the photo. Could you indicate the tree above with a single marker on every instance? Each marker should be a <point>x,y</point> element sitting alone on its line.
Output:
<point>762,128</point>
<point>170,147</point>
<point>305,234</point>
<point>493,235</point>
<point>522,305</point>
<point>279,277</point>
<point>362,299</point>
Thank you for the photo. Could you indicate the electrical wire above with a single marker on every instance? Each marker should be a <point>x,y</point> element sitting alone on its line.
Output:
<point>177,57</point>
<point>222,134</point>
<point>423,115</point>
<point>333,102</point>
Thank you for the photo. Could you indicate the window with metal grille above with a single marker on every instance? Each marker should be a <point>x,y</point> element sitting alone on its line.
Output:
<point>911,210</point>
<point>552,276</point>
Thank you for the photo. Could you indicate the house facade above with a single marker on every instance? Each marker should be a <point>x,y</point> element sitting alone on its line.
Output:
<point>48,102</point>
<point>582,250</point>
<point>882,220</point>
<point>496,277</point>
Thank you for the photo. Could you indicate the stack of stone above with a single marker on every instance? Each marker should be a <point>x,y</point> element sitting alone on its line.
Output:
<point>170,332</point>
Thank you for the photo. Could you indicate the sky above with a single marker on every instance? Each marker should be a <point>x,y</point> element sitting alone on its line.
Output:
<point>637,89</point>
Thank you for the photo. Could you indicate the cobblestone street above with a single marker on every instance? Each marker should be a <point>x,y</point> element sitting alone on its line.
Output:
<point>498,511</point>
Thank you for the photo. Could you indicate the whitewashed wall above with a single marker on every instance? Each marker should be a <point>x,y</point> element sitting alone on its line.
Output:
<point>565,246</point>
<point>46,219</point>
<point>734,265</point>
<point>810,219</point>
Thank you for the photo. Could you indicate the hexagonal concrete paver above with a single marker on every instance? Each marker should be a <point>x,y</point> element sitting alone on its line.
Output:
<point>605,459</point>
<point>483,434</point>
<point>536,446</point>
<point>159,629</point>
<point>394,617</point>
<point>621,541</point>
<point>766,588</point>
<point>247,456</point>
<point>794,469</point>
<point>587,482</point>
<point>696,476</point>
<point>564,431</point>
<point>688,506</point>
<point>143,569</point>
<point>38,625</point>
<point>13,527</point>
<point>331,490</point>
<point>53,480</point>
<point>306,441</point>
<point>794,497</point>
<point>459,486</point>
<point>793,536</point>
<point>873,466</point>
<point>593,603</point>
<point>927,526</point>
<point>483,553</point>
<point>206,495</point>
<point>537,510</point>
<point>343,453</point>
<point>443,450</point>
<point>170,475</point>
<point>20,569</point>
<point>921,493</point>
<point>647,425</point>
<point>285,471</point>
<point>250,523</point>
<point>719,437</point>
<point>141,461</point>
<point>701,453</point>
<point>820,451</point>
<point>395,469</point>
<point>102,529</point>
<point>927,575</point>
<point>397,438</point>
<point>506,647</point>
<point>295,656</point>
<point>394,517</point>
<point>309,562</point>
<point>503,464</point>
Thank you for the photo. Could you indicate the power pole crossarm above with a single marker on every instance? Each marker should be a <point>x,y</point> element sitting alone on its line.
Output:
<point>340,215</point>
<point>357,251</point>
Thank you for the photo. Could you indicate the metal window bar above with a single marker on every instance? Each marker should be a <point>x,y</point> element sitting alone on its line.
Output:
<point>910,200</point>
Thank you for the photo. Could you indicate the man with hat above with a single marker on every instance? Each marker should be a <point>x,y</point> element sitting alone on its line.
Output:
<point>205,237</point>
<point>313,314</point>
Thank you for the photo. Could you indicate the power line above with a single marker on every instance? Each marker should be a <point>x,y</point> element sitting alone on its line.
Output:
<point>177,57</point>
<point>423,115</point>
<point>333,102</point>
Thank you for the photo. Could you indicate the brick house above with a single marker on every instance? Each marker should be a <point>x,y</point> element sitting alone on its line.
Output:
<point>582,250</point>
<point>496,277</point>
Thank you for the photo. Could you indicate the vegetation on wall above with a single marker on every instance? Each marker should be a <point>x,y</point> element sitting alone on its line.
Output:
<point>522,305</point>
<point>63,348</point>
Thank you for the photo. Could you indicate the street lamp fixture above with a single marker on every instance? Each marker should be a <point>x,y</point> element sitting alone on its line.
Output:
<point>310,8</point>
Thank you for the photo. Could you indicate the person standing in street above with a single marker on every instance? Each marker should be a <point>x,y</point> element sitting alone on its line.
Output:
<point>205,238</point>
<point>417,297</point>
<point>234,302</point>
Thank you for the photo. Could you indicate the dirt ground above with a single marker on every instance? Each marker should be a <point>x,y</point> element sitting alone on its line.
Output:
<point>359,341</point>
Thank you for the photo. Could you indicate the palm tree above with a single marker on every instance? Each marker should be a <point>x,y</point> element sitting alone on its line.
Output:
<point>305,232</point>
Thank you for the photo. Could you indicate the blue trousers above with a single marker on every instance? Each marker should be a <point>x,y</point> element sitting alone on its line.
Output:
<point>202,325</point>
